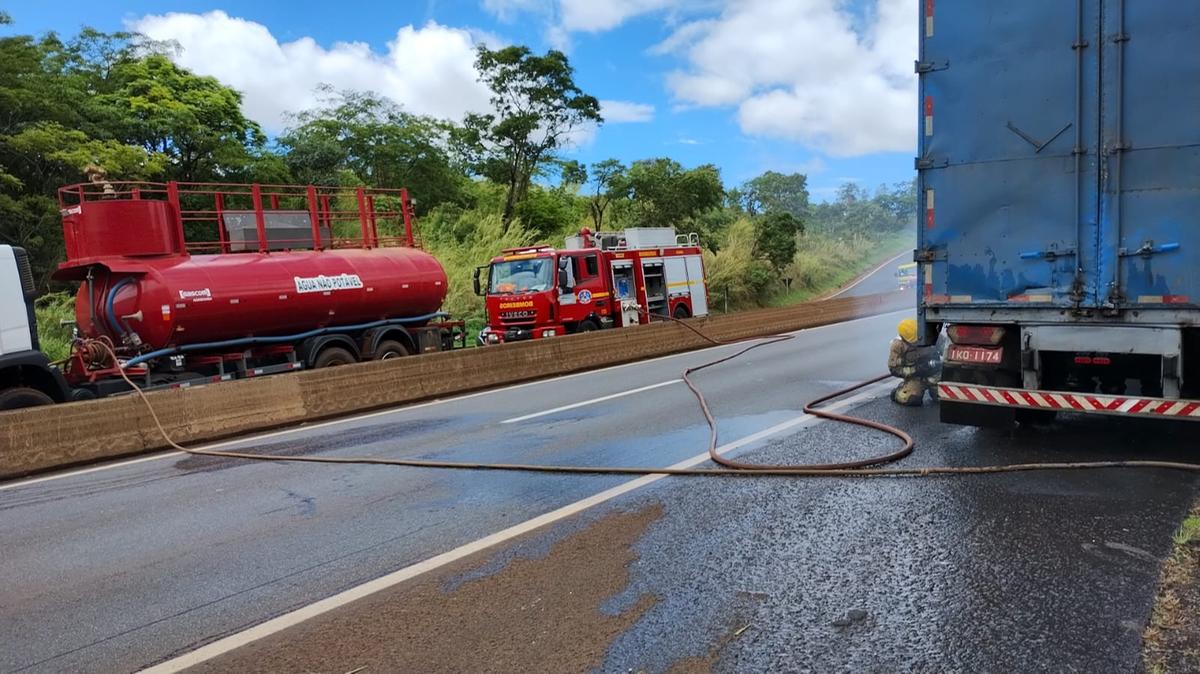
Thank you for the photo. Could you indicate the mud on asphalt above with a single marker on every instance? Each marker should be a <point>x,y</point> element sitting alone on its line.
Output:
<point>1051,571</point>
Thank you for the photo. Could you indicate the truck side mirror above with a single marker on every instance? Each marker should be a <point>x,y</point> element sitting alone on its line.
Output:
<point>564,282</point>
<point>478,287</point>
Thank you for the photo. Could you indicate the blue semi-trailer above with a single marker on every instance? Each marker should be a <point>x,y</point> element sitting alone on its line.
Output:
<point>1059,187</point>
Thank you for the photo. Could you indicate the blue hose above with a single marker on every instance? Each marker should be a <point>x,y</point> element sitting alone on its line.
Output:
<point>113,323</point>
<point>251,341</point>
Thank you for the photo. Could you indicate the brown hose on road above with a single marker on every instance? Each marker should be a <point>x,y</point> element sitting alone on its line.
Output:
<point>731,468</point>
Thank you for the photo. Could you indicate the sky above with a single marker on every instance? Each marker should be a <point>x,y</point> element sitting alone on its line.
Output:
<point>821,87</point>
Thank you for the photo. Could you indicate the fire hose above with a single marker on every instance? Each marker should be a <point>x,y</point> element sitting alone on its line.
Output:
<point>868,467</point>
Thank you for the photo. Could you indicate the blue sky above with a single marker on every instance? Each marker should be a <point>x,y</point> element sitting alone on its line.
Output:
<point>822,87</point>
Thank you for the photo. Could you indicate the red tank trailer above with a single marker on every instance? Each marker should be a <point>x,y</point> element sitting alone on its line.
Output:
<point>205,282</point>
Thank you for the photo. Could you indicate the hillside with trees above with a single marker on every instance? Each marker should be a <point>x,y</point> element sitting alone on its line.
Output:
<point>489,181</point>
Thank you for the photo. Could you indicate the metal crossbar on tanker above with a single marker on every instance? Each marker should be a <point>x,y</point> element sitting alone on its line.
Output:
<point>199,283</point>
<point>597,280</point>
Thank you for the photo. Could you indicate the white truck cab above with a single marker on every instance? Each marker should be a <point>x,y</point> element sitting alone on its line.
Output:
<point>26,376</point>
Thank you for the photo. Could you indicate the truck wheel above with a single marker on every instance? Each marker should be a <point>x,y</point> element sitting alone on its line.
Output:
<point>17,398</point>
<point>587,326</point>
<point>681,312</point>
<point>332,357</point>
<point>389,349</point>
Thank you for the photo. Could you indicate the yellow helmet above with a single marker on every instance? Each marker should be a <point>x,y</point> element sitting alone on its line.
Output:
<point>907,330</point>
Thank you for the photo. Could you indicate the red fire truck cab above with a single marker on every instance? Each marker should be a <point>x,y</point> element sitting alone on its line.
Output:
<point>597,280</point>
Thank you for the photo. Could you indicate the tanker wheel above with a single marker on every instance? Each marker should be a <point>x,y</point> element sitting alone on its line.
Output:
<point>587,326</point>
<point>389,349</point>
<point>334,356</point>
<point>22,396</point>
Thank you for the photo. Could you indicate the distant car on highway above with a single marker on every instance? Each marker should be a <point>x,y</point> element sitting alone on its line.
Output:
<point>906,275</point>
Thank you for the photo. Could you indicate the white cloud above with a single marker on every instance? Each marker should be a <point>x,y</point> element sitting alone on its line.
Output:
<point>618,112</point>
<point>429,70</point>
<point>563,17</point>
<point>598,15</point>
<point>799,71</point>
<point>507,10</point>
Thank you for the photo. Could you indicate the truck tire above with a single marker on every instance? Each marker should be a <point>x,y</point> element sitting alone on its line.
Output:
<point>587,326</point>
<point>389,349</point>
<point>681,312</point>
<point>22,396</point>
<point>333,357</point>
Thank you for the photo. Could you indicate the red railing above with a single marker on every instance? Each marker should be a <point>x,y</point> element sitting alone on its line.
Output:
<point>207,214</point>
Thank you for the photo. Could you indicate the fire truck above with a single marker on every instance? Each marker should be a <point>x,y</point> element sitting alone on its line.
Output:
<point>597,280</point>
<point>182,284</point>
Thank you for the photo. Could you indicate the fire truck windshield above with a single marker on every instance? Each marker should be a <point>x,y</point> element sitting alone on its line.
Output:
<point>522,276</point>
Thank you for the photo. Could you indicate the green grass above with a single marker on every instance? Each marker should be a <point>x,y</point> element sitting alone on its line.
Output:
<point>824,263</point>
<point>1188,531</point>
<point>54,336</point>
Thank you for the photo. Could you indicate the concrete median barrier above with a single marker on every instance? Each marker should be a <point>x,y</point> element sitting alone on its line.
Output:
<point>46,438</point>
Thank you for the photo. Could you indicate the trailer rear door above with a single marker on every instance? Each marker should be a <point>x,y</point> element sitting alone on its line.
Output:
<point>1008,171</point>
<point>1150,143</point>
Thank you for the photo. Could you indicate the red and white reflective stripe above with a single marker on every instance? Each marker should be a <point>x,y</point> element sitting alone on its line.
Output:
<point>929,115</point>
<point>928,209</point>
<point>928,18</point>
<point>1079,402</point>
<point>1162,299</point>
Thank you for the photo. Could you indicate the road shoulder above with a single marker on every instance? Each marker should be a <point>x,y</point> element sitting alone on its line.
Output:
<point>1172,640</point>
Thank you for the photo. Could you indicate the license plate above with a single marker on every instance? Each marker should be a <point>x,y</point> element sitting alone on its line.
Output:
<point>975,354</point>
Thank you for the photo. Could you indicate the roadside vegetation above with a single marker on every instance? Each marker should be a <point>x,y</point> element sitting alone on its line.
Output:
<point>118,103</point>
<point>1172,640</point>
<point>55,316</point>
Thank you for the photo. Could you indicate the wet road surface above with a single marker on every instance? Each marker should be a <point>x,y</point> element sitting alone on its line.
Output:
<point>1024,572</point>
<point>121,568</point>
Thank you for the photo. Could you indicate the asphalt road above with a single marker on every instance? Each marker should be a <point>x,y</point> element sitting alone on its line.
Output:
<point>881,279</point>
<point>120,568</point>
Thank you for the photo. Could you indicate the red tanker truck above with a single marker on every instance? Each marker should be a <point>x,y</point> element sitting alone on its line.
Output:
<point>197,283</point>
<point>598,280</point>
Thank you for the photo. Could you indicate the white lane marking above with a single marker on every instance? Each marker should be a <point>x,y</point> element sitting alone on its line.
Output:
<point>283,622</point>
<point>398,410</point>
<point>868,275</point>
<point>593,401</point>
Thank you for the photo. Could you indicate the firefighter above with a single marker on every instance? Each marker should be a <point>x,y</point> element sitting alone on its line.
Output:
<point>99,178</point>
<point>920,367</point>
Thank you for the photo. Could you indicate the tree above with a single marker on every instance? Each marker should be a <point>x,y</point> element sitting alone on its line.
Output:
<point>548,212</point>
<point>195,121</point>
<point>572,174</point>
<point>775,237</point>
<point>377,143</point>
<point>664,194</point>
<point>116,101</point>
<point>536,106</point>
<point>774,192</point>
<point>610,183</point>
<point>900,201</point>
